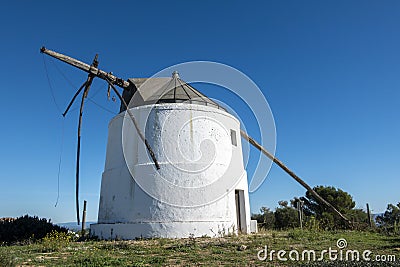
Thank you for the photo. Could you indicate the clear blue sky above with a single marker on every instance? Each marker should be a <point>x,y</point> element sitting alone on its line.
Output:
<point>329,70</point>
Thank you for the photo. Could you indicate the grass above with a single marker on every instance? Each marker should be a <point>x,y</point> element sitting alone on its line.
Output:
<point>229,251</point>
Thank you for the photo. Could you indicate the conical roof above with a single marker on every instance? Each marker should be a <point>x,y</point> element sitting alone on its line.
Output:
<point>167,90</point>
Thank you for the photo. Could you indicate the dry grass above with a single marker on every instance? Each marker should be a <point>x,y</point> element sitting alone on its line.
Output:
<point>228,251</point>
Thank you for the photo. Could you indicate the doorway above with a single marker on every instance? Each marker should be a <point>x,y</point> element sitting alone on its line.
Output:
<point>240,211</point>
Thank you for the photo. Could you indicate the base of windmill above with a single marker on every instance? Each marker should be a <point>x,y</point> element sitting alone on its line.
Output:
<point>128,210</point>
<point>181,228</point>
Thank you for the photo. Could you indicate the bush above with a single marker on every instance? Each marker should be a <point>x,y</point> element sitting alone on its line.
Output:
<point>311,223</point>
<point>55,241</point>
<point>266,219</point>
<point>389,221</point>
<point>286,217</point>
<point>26,229</point>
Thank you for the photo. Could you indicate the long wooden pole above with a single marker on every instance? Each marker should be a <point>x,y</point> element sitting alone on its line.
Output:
<point>294,176</point>
<point>369,216</point>
<point>78,154</point>
<point>84,217</point>
<point>300,211</point>
<point>86,67</point>
<point>73,98</point>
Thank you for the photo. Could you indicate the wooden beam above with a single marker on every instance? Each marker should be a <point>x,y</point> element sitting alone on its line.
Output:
<point>294,176</point>
<point>86,67</point>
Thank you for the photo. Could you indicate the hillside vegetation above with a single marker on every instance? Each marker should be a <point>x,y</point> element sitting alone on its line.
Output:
<point>60,249</point>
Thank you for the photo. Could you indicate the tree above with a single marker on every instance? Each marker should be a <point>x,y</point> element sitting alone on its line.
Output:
<point>266,218</point>
<point>359,218</point>
<point>283,203</point>
<point>341,200</point>
<point>285,216</point>
<point>390,220</point>
<point>26,228</point>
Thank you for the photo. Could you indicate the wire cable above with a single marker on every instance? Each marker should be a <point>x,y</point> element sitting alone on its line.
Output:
<point>62,130</point>
<point>59,162</point>
<point>62,74</point>
<point>103,108</point>
<point>73,85</point>
<point>51,87</point>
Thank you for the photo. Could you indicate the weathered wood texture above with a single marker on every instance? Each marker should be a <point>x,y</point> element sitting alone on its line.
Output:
<point>86,67</point>
<point>84,217</point>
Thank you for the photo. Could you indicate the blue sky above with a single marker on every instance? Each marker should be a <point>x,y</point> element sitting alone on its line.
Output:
<point>329,70</point>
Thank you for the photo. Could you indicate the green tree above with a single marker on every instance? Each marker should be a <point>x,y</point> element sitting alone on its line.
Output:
<point>26,228</point>
<point>286,216</point>
<point>266,218</point>
<point>359,218</point>
<point>390,220</point>
<point>341,200</point>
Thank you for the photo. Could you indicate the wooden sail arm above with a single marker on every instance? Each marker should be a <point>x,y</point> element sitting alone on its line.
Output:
<point>87,68</point>
<point>294,176</point>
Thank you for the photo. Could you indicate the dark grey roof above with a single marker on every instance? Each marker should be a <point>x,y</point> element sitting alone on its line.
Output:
<point>167,90</point>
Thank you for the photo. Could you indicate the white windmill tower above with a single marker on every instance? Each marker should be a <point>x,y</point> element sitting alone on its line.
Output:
<point>174,163</point>
<point>201,186</point>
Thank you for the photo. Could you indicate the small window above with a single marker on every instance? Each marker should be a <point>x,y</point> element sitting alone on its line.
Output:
<point>233,137</point>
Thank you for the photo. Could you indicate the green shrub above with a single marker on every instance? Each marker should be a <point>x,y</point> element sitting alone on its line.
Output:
<point>312,224</point>
<point>26,229</point>
<point>55,241</point>
<point>286,218</point>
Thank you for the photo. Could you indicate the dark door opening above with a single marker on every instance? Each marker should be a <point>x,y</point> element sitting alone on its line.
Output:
<point>240,211</point>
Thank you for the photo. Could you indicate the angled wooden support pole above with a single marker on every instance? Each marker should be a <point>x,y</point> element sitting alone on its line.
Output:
<point>294,176</point>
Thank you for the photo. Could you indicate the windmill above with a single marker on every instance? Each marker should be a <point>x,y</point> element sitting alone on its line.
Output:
<point>127,210</point>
